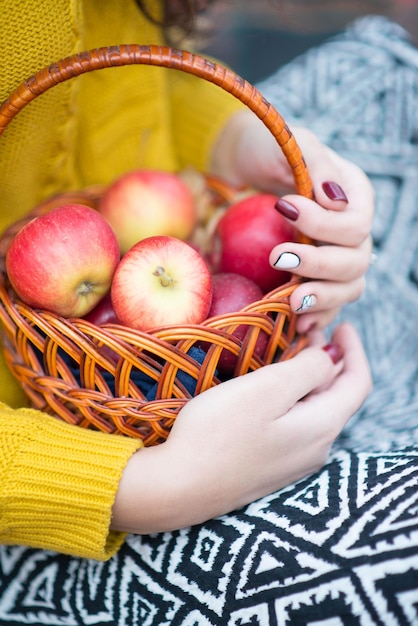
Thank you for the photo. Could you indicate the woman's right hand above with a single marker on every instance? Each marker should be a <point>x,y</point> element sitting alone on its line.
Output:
<point>244,439</point>
<point>338,221</point>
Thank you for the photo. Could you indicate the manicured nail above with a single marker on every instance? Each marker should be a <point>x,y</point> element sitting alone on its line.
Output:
<point>287,210</point>
<point>287,261</point>
<point>307,303</point>
<point>334,351</point>
<point>334,191</point>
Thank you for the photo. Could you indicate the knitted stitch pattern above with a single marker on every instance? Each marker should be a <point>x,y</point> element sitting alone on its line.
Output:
<point>341,546</point>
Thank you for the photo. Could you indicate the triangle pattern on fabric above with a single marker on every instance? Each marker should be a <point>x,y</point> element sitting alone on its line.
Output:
<point>378,472</point>
<point>313,498</point>
<point>272,563</point>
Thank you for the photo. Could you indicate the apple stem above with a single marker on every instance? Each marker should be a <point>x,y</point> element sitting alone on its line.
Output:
<point>85,288</point>
<point>165,279</point>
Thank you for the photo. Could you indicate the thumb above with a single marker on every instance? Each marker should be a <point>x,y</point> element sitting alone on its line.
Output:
<point>274,389</point>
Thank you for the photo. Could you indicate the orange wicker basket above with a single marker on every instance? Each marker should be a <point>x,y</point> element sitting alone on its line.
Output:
<point>138,386</point>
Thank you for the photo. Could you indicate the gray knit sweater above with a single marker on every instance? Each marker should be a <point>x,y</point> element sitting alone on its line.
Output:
<point>359,93</point>
<point>339,547</point>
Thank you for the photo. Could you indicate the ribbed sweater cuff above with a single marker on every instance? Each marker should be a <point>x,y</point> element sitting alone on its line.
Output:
<point>59,483</point>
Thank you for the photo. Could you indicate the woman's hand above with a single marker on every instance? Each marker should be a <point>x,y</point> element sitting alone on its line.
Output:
<point>245,438</point>
<point>338,221</point>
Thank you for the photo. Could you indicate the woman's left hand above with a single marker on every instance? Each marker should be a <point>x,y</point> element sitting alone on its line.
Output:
<point>338,221</point>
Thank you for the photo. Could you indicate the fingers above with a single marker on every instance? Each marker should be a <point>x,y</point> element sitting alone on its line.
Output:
<point>325,262</point>
<point>324,169</point>
<point>333,406</point>
<point>339,259</point>
<point>310,321</point>
<point>320,296</point>
<point>274,389</point>
<point>351,179</point>
<point>348,227</point>
<point>334,382</point>
<point>356,370</point>
<point>333,177</point>
<point>341,188</point>
<point>337,273</point>
<point>264,394</point>
<point>354,383</point>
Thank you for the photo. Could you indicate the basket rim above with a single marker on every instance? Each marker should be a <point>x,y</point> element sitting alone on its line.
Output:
<point>31,352</point>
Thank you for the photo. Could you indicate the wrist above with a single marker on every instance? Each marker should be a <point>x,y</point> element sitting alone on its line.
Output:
<point>156,493</point>
<point>164,488</point>
<point>138,507</point>
<point>224,161</point>
<point>247,153</point>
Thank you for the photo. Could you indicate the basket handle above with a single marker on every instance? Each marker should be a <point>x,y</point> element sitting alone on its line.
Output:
<point>168,57</point>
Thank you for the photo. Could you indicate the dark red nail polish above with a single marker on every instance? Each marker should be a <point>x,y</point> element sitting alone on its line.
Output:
<point>334,351</point>
<point>287,210</point>
<point>334,191</point>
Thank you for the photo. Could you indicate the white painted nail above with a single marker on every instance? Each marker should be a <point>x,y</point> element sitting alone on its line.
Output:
<point>287,261</point>
<point>307,302</point>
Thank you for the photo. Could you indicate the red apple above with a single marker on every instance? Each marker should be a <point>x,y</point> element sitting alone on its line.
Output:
<point>103,312</point>
<point>231,293</point>
<point>63,261</point>
<point>244,238</point>
<point>144,203</point>
<point>161,281</point>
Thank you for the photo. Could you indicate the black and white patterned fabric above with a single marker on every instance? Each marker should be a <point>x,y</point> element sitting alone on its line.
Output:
<point>340,547</point>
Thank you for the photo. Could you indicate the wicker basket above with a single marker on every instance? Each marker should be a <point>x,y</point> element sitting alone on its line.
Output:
<point>138,385</point>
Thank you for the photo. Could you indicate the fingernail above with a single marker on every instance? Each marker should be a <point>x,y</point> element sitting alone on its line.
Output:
<point>287,261</point>
<point>334,191</point>
<point>334,351</point>
<point>307,303</point>
<point>287,210</point>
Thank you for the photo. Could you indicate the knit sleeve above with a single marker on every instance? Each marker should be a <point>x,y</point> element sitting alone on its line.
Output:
<point>199,111</point>
<point>59,483</point>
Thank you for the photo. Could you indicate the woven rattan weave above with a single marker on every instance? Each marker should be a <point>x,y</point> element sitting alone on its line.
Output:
<point>113,378</point>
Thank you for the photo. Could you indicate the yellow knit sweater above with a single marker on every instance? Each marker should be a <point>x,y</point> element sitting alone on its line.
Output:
<point>58,481</point>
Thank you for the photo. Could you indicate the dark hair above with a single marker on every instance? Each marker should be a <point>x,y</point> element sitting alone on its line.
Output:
<point>178,15</point>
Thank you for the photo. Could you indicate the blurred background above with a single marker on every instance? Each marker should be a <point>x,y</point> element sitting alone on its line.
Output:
<point>255,37</point>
